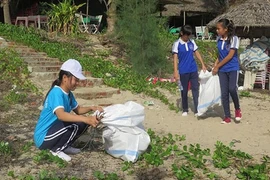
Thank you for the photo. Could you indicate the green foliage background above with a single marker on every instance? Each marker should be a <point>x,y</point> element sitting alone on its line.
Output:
<point>139,31</point>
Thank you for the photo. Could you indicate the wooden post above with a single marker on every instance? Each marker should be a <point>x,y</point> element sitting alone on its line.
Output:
<point>184,17</point>
<point>87,8</point>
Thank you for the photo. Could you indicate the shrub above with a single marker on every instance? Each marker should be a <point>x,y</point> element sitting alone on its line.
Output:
<point>62,17</point>
<point>138,28</point>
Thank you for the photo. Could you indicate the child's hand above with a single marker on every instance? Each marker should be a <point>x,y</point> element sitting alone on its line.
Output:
<point>92,121</point>
<point>97,108</point>
<point>176,76</point>
<point>215,70</point>
<point>204,68</point>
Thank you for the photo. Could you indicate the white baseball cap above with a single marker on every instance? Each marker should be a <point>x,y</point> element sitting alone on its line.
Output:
<point>74,67</point>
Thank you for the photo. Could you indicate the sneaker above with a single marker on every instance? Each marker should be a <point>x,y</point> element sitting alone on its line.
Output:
<point>61,155</point>
<point>196,114</point>
<point>72,150</point>
<point>226,120</point>
<point>238,115</point>
<point>184,114</point>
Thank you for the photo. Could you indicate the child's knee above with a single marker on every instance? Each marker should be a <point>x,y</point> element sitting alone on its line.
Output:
<point>233,89</point>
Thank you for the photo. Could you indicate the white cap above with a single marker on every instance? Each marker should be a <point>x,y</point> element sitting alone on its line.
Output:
<point>74,67</point>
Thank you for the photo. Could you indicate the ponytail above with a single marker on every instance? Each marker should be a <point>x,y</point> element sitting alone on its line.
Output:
<point>58,81</point>
<point>229,25</point>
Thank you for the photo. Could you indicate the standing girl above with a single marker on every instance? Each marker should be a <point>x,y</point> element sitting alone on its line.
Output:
<point>227,67</point>
<point>185,65</point>
<point>57,128</point>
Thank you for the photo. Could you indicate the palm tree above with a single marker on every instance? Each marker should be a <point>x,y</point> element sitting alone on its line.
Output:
<point>5,5</point>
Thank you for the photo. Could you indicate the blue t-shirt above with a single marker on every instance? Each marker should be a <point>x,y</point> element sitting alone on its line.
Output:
<point>223,50</point>
<point>57,98</point>
<point>186,60</point>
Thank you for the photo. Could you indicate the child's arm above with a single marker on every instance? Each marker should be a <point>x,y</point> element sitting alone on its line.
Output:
<point>198,55</point>
<point>224,61</point>
<point>82,110</point>
<point>216,62</point>
<point>175,67</point>
<point>67,117</point>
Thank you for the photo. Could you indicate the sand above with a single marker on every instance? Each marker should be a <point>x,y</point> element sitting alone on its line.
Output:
<point>252,133</point>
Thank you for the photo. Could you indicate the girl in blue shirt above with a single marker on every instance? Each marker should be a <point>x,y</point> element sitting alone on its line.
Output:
<point>57,128</point>
<point>227,67</point>
<point>185,67</point>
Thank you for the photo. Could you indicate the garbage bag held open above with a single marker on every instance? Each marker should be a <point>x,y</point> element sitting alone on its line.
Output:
<point>210,93</point>
<point>124,135</point>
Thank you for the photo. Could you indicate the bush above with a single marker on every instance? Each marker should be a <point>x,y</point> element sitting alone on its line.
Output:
<point>138,28</point>
<point>62,17</point>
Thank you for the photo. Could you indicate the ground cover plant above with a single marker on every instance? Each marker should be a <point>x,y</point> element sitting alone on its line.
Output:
<point>14,77</point>
<point>167,156</point>
<point>123,76</point>
<point>181,160</point>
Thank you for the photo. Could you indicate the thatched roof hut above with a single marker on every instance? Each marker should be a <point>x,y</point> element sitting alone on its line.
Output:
<point>251,18</point>
<point>190,6</point>
<point>172,1</point>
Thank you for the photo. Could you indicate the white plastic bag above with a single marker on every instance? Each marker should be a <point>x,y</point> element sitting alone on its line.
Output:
<point>210,93</point>
<point>124,137</point>
<point>129,114</point>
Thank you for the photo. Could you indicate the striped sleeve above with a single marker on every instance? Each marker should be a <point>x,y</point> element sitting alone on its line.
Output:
<point>235,42</point>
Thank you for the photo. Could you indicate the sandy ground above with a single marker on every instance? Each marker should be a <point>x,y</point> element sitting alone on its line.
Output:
<point>252,134</point>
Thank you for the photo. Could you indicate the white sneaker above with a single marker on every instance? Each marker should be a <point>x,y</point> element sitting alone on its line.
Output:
<point>184,114</point>
<point>61,155</point>
<point>72,150</point>
<point>196,114</point>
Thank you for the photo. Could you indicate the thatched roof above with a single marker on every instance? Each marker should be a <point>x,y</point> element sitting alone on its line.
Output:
<point>194,6</point>
<point>251,13</point>
<point>172,1</point>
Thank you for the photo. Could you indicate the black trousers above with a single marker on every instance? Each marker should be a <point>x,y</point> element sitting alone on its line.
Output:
<point>62,134</point>
<point>229,87</point>
<point>194,80</point>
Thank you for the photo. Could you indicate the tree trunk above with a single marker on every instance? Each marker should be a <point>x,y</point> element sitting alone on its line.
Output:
<point>7,19</point>
<point>111,19</point>
<point>227,4</point>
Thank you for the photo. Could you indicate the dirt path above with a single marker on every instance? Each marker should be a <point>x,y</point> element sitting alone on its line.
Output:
<point>252,134</point>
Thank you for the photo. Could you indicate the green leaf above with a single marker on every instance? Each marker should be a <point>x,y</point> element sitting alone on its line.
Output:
<point>185,148</point>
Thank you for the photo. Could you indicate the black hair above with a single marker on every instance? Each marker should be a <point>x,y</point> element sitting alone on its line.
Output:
<point>58,81</point>
<point>228,24</point>
<point>185,30</point>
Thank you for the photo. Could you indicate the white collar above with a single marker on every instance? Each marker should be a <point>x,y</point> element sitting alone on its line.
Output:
<point>182,42</point>
<point>223,39</point>
<point>61,89</point>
